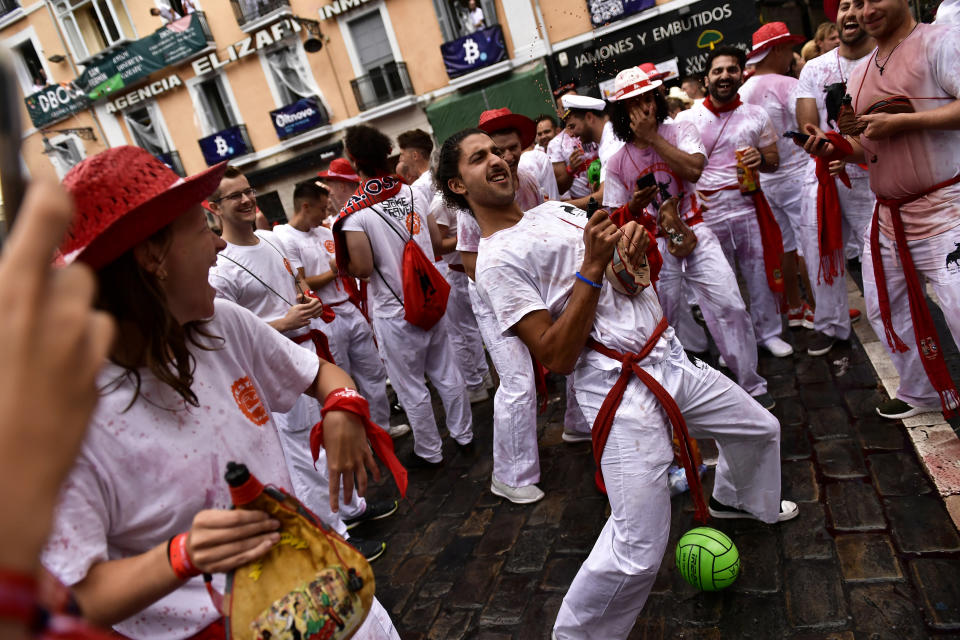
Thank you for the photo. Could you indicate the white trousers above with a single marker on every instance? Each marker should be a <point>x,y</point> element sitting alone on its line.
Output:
<point>786,201</point>
<point>610,589</point>
<point>857,204</point>
<point>354,351</point>
<point>464,333</point>
<point>739,237</point>
<point>709,276</point>
<point>377,625</point>
<point>691,334</point>
<point>409,354</point>
<point>516,458</point>
<point>934,262</point>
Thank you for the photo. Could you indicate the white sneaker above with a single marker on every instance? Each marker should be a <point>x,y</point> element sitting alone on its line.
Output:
<point>777,347</point>
<point>488,380</point>
<point>721,362</point>
<point>576,436</point>
<point>517,495</point>
<point>478,395</point>
<point>398,430</point>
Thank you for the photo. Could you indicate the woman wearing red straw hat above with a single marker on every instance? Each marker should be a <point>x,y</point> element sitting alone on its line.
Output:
<point>184,393</point>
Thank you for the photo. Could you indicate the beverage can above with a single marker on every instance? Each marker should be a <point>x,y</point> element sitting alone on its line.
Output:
<point>747,177</point>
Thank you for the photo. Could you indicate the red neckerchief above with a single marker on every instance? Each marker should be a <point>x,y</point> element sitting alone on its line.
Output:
<point>924,331</point>
<point>829,214</point>
<point>723,108</point>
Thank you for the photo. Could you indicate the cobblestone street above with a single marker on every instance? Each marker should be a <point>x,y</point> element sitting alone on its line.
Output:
<point>873,554</point>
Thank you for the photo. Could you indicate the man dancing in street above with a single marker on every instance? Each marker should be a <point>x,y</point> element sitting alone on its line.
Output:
<point>542,272</point>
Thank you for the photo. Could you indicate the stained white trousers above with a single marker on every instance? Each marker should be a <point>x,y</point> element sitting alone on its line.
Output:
<point>354,350</point>
<point>464,333</point>
<point>613,583</point>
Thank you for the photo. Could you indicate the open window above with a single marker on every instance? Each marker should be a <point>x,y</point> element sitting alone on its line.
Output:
<point>94,25</point>
<point>290,77</point>
<point>27,62</point>
<point>64,151</point>
<point>457,19</point>
<point>145,129</point>
<point>215,105</point>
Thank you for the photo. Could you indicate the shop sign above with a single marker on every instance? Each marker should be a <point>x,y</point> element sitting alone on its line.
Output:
<point>55,102</point>
<point>175,41</point>
<point>473,51</point>
<point>337,7</point>
<point>144,93</point>
<point>302,115</point>
<point>689,37</point>
<point>224,145</point>
<point>604,11</point>
<point>251,44</point>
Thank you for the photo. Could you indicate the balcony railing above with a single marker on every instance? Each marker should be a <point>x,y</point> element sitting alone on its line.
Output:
<point>250,13</point>
<point>381,85</point>
<point>224,145</point>
<point>172,160</point>
<point>205,26</point>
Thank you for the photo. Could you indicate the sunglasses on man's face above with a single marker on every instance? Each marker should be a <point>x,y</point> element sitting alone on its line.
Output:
<point>238,195</point>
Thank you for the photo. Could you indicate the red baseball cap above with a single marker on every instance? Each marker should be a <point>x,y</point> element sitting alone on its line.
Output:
<point>499,119</point>
<point>122,197</point>
<point>767,37</point>
<point>340,169</point>
<point>652,73</point>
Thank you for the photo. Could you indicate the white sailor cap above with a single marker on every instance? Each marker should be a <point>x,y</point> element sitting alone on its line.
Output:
<point>582,102</point>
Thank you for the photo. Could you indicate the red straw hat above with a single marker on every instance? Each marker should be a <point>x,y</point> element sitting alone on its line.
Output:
<point>499,119</point>
<point>770,35</point>
<point>122,197</point>
<point>340,169</point>
<point>651,70</point>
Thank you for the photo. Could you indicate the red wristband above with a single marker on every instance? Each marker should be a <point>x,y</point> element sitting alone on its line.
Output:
<point>18,597</point>
<point>180,559</point>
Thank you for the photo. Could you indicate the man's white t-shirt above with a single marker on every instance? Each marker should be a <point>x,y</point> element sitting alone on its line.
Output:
<point>313,250</point>
<point>776,94</point>
<point>561,148</point>
<point>609,145</point>
<point>468,239</point>
<point>533,265</point>
<point>447,217</point>
<point>388,226</point>
<point>145,471</point>
<point>631,162</point>
<point>256,278</point>
<point>816,76</point>
<point>538,164</point>
<point>423,192</point>
<point>746,126</point>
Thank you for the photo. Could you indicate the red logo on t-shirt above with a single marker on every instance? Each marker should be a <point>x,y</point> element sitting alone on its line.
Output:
<point>330,246</point>
<point>247,398</point>
<point>413,223</point>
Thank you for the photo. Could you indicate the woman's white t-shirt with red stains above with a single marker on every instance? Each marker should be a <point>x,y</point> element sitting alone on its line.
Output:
<point>145,471</point>
<point>313,250</point>
<point>631,162</point>
<point>924,66</point>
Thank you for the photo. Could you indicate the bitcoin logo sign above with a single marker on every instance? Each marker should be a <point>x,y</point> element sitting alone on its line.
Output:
<point>222,147</point>
<point>471,52</point>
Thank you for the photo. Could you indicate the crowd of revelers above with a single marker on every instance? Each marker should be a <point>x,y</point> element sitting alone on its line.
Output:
<point>603,246</point>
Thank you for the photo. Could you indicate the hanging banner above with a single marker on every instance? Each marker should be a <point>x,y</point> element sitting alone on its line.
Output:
<point>224,145</point>
<point>170,44</point>
<point>689,37</point>
<point>302,115</point>
<point>55,102</point>
<point>604,11</point>
<point>469,53</point>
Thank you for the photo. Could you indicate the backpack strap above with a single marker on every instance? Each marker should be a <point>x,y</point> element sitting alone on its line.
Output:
<point>390,224</point>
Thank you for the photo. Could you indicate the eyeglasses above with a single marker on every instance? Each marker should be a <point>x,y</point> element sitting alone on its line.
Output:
<point>237,196</point>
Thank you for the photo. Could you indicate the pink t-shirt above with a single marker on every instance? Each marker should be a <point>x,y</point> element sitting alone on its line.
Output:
<point>631,162</point>
<point>816,76</point>
<point>746,126</point>
<point>777,95</point>
<point>923,66</point>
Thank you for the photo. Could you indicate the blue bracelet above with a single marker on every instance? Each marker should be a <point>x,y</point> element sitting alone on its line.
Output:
<point>595,285</point>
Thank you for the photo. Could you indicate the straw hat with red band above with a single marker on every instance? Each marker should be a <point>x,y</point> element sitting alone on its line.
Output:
<point>340,169</point>
<point>499,119</point>
<point>769,36</point>
<point>651,70</point>
<point>122,197</point>
<point>632,82</point>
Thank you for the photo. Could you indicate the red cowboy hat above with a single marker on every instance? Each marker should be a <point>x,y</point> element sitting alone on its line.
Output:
<point>651,70</point>
<point>340,169</point>
<point>122,197</point>
<point>499,119</point>
<point>770,35</point>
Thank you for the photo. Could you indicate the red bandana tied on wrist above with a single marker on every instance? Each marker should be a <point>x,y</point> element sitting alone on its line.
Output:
<point>716,109</point>
<point>179,558</point>
<point>924,331</point>
<point>829,215</point>
<point>346,399</point>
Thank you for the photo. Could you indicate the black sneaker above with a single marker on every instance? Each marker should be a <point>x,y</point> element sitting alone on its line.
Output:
<point>766,400</point>
<point>374,511</point>
<point>371,549</point>
<point>467,449</point>
<point>897,409</point>
<point>788,511</point>
<point>413,461</point>
<point>698,315</point>
<point>820,344</point>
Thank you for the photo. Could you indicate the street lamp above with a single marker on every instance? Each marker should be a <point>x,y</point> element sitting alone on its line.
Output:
<point>313,42</point>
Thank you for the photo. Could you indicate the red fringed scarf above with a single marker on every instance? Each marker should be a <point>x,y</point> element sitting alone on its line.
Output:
<point>608,410</point>
<point>368,193</point>
<point>829,214</point>
<point>928,344</point>
<point>716,109</point>
<point>320,343</point>
<point>380,442</point>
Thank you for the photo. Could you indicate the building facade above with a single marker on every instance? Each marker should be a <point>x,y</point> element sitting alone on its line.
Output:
<point>271,85</point>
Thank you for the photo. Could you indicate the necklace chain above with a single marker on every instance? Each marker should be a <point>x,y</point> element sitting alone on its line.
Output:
<point>876,58</point>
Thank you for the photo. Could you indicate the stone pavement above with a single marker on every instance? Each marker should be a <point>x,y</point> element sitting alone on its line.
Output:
<point>873,554</point>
